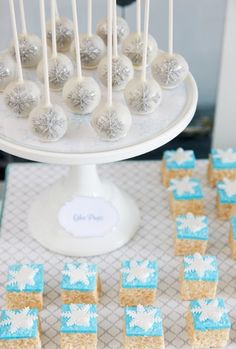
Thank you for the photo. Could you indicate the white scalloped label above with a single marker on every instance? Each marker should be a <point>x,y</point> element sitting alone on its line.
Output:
<point>85,217</point>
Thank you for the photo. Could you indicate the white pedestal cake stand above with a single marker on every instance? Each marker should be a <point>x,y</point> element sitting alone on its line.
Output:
<point>81,215</point>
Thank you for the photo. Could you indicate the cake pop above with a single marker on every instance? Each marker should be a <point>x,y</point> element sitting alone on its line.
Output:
<point>122,67</point>
<point>81,94</point>
<point>29,44</point>
<point>133,44</point>
<point>20,96</point>
<point>7,70</point>
<point>122,29</point>
<point>143,95</point>
<point>111,121</point>
<point>64,32</point>
<point>60,67</point>
<point>48,122</point>
<point>92,47</point>
<point>170,69</point>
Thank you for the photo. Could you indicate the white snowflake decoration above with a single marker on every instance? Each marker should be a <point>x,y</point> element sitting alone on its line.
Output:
<point>109,125</point>
<point>170,71</point>
<point>89,52</point>
<point>209,310</point>
<point>191,222</point>
<point>144,318</point>
<point>22,320</point>
<point>139,271</point>
<point>229,186</point>
<point>226,156</point>
<point>183,185</point>
<point>199,264</point>
<point>143,98</point>
<point>20,99</point>
<point>180,156</point>
<point>79,316</point>
<point>81,97</point>
<point>79,273</point>
<point>23,277</point>
<point>49,125</point>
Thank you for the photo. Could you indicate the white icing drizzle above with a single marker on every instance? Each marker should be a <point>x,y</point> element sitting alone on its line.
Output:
<point>209,311</point>
<point>138,271</point>
<point>180,156</point>
<point>227,156</point>
<point>183,185</point>
<point>229,186</point>
<point>199,264</point>
<point>143,318</point>
<point>79,316</point>
<point>191,222</point>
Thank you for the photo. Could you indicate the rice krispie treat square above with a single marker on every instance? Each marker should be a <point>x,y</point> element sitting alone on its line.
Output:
<point>79,326</point>
<point>226,199</point>
<point>198,277</point>
<point>143,328</point>
<point>19,329</point>
<point>176,164</point>
<point>222,164</point>
<point>80,283</point>
<point>138,283</point>
<point>186,196</point>
<point>191,234</point>
<point>25,285</point>
<point>208,324</point>
<point>232,237</point>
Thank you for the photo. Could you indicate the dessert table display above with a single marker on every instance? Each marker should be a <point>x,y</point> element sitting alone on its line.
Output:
<point>82,120</point>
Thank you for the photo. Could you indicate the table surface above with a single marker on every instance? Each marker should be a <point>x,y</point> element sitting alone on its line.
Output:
<point>153,241</point>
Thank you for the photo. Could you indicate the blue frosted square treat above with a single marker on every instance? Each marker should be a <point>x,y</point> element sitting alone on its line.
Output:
<point>198,277</point>
<point>191,234</point>
<point>222,164</point>
<point>25,286</point>
<point>138,282</point>
<point>208,323</point>
<point>176,164</point>
<point>186,195</point>
<point>79,326</point>
<point>80,283</point>
<point>226,198</point>
<point>19,329</point>
<point>143,327</point>
<point>232,237</point>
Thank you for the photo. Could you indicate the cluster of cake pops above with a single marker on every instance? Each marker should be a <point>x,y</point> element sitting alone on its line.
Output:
<point>128,63</point>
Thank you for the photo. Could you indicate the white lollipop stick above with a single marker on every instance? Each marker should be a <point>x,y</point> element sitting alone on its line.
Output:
<point>22,14</point>
<point>77,41</point>
<point>115,43</point>
<point>90,15</point>
<point>109,51</point>
<point>171,27</point>
<point>16,41</point>
<point>138,16</point>
<point>45,54</point>
<point>54,34</point>
<point>145,46</point>
<point>57,11</point>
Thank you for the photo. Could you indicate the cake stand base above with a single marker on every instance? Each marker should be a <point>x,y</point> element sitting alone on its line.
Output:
<point>82,216</point>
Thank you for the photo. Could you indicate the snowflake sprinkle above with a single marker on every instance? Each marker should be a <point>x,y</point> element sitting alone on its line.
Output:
<point>199,264</point>
<point>180,156</point>
<point>209,310</point>
<point>19,320</point>
<point>4,72</point>
<point>170,71</point>
<point>79,273</point>
<point>58,74</point>
<point>229,186</point>
<point>81,97</point>
<point>138,270</point>
<point>109,125</point>
<point>183,185</point>
<point>120,72</point>
<point>135,51</point>
<point>79,315</point>
<point>49,125</point>
<point>144,318</point>
<point>193,223</point>
<point>143,98</point>
<point>226,156</point>
<point>22,277</point>
<point>64,36</point>
<point>28,51</point>
<point>20,100</point>
<point>89,52</point>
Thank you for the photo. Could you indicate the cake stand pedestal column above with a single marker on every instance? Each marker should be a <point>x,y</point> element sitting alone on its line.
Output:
<point>80,215</point>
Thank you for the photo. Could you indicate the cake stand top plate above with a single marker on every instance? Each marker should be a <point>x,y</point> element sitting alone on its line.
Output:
<point>81,145</point>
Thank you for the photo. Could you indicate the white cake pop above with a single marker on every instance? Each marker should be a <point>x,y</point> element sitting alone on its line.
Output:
<point>81,96</point>
<point>30,50</point>
<point>170,69</point>
<point>133,44</point>
<point>49,124</point>
<point>64,31</point>
<point>133,48</point>
<point>111,121</point>
<point>7,70</point>
<point>122,67</point>
<point>60,67</point>
<point>143,95</point>
<point>122,29</point>
<point>21,97</point>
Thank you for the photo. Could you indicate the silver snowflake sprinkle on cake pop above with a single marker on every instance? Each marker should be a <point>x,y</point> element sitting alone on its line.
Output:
<point>122,29</point>
<point>89,52</point>
<point>81,97</point>
<point>58,74</point>
<point>170,71</point>
<point>49,125</point>
<point>4,72</point>
<point>135,51</point>
<point>109,125</point>
<point>28,51</point>
<point>19,100</point>
<point>64,36</point>
<point>120,72</point>
<point>142,99</point>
